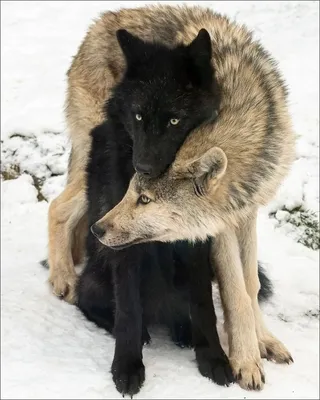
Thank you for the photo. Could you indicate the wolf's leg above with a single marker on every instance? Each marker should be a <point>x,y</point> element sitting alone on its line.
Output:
<point>270,347</point>
<point>127,369</point>
<point>65,212</point>
<point>79,240</point>
<point>95,296</point>
<point>244,352</point>
<point>212,360</point>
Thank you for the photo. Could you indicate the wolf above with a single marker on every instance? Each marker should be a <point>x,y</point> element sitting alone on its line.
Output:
<point>222,173</point>
<point>104,60</point>
<point>100,64</point>
<point>124,291</point>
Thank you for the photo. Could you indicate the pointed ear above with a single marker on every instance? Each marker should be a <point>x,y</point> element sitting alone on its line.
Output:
<point>206,171</point>
<point>201,45</point>
<point>130,45</point>
<point>200,53</point>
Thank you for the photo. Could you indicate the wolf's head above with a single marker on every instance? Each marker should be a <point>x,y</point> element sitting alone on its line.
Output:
<point>176,206</point>
<point>165,93</point>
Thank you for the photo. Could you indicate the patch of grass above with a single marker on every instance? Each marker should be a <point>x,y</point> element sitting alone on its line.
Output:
<point>310,223</point>
<point>14,171</point>
<point>11,173</point>
<point>38,183</point>
<point>307,224</point>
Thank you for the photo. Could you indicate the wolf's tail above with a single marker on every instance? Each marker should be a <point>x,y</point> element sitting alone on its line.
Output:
<point>266,288</point>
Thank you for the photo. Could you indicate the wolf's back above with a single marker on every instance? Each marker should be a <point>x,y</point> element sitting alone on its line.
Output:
<point>99,63</point>
<point>253,127</point>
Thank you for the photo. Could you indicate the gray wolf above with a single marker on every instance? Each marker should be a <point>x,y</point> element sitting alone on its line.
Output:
<point>98,66</point>
<point>238,63</point>
<point>222,173</point>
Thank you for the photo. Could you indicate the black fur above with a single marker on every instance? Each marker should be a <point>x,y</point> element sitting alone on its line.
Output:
<point>266,288</point>
<point>161,84</point>
<point>124,291</point>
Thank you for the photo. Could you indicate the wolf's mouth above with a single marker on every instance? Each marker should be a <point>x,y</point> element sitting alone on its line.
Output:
<point>125,245</point>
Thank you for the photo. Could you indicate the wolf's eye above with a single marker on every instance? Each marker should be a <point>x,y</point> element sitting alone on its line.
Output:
<point>143,199</point>
<point>138,117</point>
<point>174,121</point>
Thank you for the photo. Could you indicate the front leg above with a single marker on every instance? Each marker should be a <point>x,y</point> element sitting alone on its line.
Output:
<point>244,352</point>
<point>270,347</point>
<point>212,360</point>
<point>65,214</point>
<point>128,371</point>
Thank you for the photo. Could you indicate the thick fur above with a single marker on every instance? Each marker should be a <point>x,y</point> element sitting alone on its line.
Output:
<point>123,291</point>
<point>98,66</point>
<point>253,131</point>
<point>164,84</point>
<point>222,173</point>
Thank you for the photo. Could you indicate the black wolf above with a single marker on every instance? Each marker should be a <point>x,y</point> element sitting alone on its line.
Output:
<point>165,94</point>
<point>125,290</point>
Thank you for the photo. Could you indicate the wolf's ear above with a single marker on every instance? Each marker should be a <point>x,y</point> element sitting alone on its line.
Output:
<point>201,46</point>
<point>200,53</point>
<point>131,45</point>
<point>206,171</point>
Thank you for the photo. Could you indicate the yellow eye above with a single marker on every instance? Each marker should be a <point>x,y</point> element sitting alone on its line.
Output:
<point>174,121</point>
<point>143,199</point>
<point>138,117</point>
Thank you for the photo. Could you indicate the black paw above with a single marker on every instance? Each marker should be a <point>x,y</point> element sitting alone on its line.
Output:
<point>145,337</point>
<point>128,377</point>
<point>214,366</point>
<point>181,334</point>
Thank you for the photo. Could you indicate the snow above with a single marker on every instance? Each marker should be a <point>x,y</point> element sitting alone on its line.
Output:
<point>20,190</point>
<point>49,350</point>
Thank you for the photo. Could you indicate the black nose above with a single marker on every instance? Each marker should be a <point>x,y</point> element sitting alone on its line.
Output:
<point>97,231</point>
<point>142,168</point>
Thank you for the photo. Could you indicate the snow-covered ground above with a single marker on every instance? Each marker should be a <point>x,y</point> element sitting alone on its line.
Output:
<point>48,350</point>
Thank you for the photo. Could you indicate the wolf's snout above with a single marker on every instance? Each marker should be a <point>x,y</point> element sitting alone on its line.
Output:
<point>97,230</point>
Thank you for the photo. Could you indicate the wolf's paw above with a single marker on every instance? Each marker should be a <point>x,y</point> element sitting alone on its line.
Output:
<point>64,286</point>
<point>273,350</point>
<point>214,366</point>
<point>128,376</point>
<point>249,374</point>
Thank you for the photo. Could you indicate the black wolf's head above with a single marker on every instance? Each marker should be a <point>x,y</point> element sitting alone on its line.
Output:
<point>164,94</point>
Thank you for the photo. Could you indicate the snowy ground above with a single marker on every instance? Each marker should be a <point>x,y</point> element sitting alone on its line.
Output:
<point>48,350</point>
